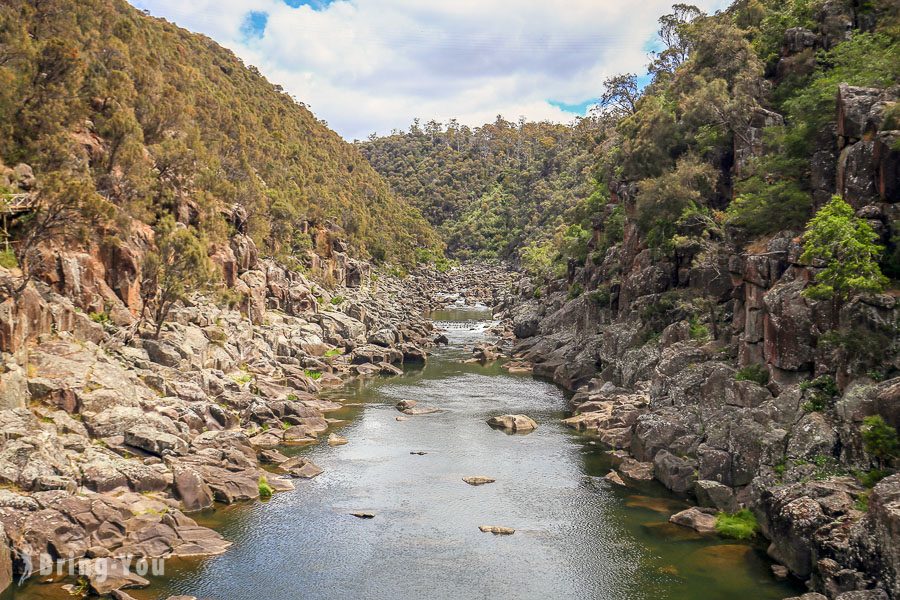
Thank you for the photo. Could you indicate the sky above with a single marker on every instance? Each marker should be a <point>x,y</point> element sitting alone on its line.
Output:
<point>372,66</point>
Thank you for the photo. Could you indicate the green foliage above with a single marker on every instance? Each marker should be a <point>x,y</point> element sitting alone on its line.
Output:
<point>575,290</point>
<point>334,352</point>
<point>758,374</point>
<point>846,247</point>
<point>879,438</point>
<point>537,259</point>
<point>698,330</point>
<point>662,200</point>
<point>183,124</point>
<point>871,477</point>
<point>337,300</point>
<point>8,259</point>
<point>99,317</point>
<point>493,189</point>
<point>741,525</point>
<point>601,296</point>
<point>265,490</point>
<point>773,197</point>
<point>175,269</point>
<point>820,393</point>
<point>314,375</point>
<point>866,59</point>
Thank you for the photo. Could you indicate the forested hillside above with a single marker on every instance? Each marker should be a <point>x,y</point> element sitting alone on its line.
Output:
<point>492,188</point>
<point>128,116</point>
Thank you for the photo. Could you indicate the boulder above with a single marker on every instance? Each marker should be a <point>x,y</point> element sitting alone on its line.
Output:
<point>299,466</point>
<point>676,473</point>
<point>513,423</point>
<point>154,441</point>
<point>695,518</point>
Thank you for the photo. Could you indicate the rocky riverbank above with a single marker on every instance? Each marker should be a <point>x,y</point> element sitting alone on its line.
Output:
<point>715,373</point>
<point>110,437</point>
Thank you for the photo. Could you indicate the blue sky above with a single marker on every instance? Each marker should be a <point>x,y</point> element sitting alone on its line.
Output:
<point>369,66</point>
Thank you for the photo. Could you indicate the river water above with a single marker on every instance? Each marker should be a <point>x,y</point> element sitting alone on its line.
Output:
<point>577,536</point>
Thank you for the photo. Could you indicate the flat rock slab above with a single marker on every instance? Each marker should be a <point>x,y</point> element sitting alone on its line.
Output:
<point>336,440</point>
<point>421,410</point>
<point>614,478</point>
<point>361,514</point>
<point>497,529</point>
<point>478,480</point>
<point>300,467</point>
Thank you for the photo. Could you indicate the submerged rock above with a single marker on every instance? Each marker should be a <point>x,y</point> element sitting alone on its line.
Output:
<point>497,529</point>
<point>336,440</point>
<point>478,480</point>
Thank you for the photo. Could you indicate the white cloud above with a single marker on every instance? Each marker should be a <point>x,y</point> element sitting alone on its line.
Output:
<point>374,65</point>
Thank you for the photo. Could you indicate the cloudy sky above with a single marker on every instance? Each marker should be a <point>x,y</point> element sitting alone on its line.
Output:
<point>374,65</point>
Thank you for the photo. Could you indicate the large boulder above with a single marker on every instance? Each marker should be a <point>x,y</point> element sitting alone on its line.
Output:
<point>513,423</point>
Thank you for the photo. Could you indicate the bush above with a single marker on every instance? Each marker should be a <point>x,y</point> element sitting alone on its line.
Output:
<point>265,490</point>
<point>8,259</point>
<point>575,290</point>
<point>99,317</point>
<point>820,393</point>
<point>700,332</point>
<point>601,296</point>
<point>758,374</point>
<point>879,438</point>
<point>337,300</point>
<point>741,525</point>
<point>314,375</point>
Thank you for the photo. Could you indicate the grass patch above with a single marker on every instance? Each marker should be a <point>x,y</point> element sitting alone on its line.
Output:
<point>8,259</point>
<point>700,332</point>
<point>265,490</point>
<point>99,317</point>
<point>741,525</point>
<point>758,374</point>
<point>334,352</point>
<point>314,375</point>
<point>337,300</point>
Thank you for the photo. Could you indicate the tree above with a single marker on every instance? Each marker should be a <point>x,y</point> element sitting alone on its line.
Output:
<point>64,208</point>
<point>880,439</point>
<point>178,267</point>
<point>621,94</point>
<point>673,35</point>
<point>845,249</point>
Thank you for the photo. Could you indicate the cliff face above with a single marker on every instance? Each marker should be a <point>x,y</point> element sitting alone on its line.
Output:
<point>710,366</point>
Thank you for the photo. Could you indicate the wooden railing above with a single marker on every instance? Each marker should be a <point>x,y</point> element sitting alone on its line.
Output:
<point>13,204</point>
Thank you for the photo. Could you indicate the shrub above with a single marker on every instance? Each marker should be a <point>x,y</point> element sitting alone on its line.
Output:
<point>575,290</point>
<point>758,374</point>
<point>879,438</point>
<point>99,317</point>
<point>600,296</point>
<point>337,300</point>
<point>847,246</point>
<point>699,331</point>
<point>741,525</point>
<point>820,393</point>
<point>334,352</point>
<point>8,259</point>
<point>265,490</point>
<point>314,375</point>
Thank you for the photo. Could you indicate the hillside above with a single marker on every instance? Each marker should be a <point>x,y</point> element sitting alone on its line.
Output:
<point>145,119</point>
<point>490,189</point>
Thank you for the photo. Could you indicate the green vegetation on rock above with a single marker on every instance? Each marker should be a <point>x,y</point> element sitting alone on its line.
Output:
<point>741,525</point>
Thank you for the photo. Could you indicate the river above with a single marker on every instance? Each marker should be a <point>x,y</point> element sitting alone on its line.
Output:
<point>576,535</point>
